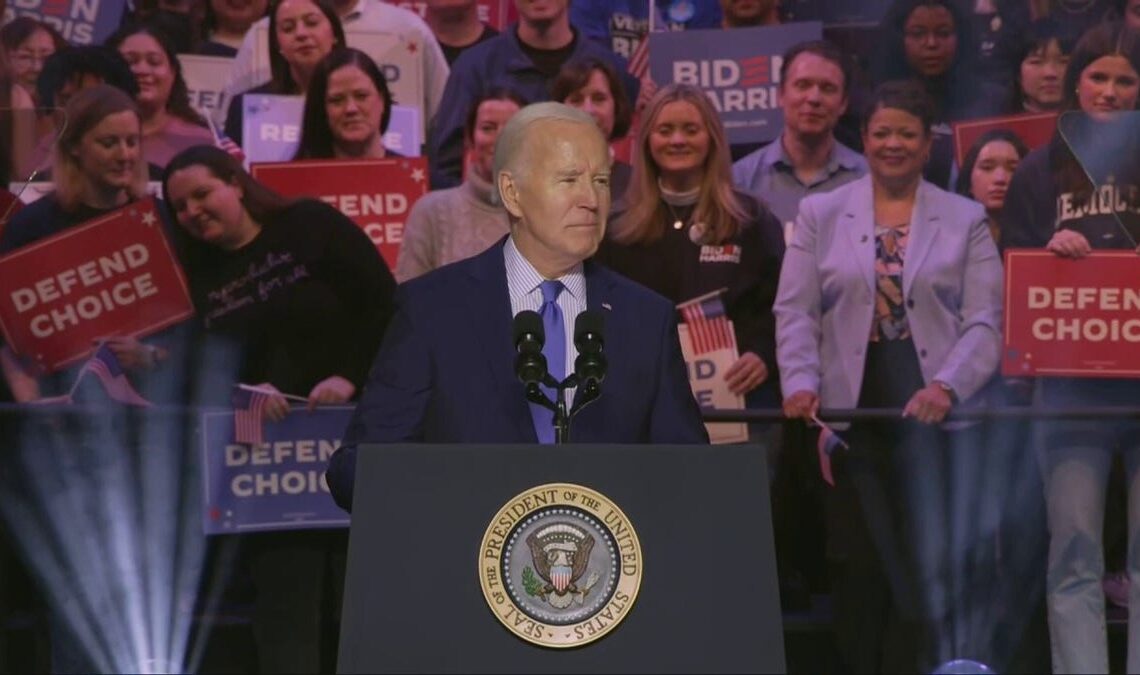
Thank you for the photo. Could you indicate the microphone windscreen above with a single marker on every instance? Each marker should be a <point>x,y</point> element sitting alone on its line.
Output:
<point>528,325</point>
<point>589,322</point>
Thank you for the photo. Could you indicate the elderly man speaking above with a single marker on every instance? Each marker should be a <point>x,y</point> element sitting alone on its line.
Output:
<point>445,372</point>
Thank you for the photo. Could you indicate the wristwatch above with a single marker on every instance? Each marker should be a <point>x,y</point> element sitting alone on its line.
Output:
<point>949,391</point>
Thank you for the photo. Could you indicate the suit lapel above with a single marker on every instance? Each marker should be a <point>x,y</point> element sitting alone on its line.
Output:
<point>491,321</point>
<point>859,224</point>
<point>924,227</point>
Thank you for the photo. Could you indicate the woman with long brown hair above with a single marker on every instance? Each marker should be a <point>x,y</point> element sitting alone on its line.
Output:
<point>683,230</point>
<point>97,168</point>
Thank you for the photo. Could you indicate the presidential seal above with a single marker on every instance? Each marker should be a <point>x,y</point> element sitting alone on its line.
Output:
<point>560,565</point>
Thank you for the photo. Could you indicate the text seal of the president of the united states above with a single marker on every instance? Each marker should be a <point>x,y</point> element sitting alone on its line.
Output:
<point>560,565</point>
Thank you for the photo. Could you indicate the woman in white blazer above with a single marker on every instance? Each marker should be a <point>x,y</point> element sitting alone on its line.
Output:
<point>890,297</point>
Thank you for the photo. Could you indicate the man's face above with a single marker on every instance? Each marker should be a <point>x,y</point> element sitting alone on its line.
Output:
<point>557,189</point>
<point>541,11</point>
<point>812,95</point>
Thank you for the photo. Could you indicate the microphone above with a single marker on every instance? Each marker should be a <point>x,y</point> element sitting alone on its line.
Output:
<point>530,364</point>
<point>590,366</point>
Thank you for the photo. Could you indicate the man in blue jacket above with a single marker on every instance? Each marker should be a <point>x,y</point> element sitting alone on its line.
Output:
<point>445,371</point>
<point>525,58</point>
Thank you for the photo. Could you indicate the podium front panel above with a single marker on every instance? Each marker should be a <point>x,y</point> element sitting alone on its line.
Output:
<point>708,598</point>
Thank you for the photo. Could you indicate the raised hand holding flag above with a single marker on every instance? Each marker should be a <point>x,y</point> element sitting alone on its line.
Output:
<point>104,365</point>
<point>250,409</point>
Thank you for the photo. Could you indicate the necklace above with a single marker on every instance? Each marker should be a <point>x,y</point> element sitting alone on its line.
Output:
<point>677,222</point>
<point>671,197</point>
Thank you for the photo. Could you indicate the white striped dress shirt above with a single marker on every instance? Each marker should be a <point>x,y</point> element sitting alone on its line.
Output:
<point>524,286</point>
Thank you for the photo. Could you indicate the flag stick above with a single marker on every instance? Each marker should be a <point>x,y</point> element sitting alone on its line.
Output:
<point>270,392</point>
<point>838,439</point>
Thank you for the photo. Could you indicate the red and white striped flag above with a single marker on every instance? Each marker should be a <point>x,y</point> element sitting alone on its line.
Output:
<point>639,59</point>
<point>249,411</point>
<point>226,143</point>
<point>221,140</point>
<point>708,324</point>
<point>105,367</point>
<point>824,446</point>
<point>827,443</point>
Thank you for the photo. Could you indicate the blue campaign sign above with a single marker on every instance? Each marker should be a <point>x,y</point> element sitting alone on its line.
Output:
<point>403,136</point>
<point>278,485</point>
<point>271,127</point>
<point>739,70</point>
<point>81,22</point>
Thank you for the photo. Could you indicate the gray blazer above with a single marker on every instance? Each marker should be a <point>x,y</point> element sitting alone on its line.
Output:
<point>952,282</point>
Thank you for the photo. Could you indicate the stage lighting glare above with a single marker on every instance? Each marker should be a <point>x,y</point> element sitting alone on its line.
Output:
<point>963,667</point>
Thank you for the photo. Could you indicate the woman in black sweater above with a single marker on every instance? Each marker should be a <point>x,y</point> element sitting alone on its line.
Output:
<point>292,296</point>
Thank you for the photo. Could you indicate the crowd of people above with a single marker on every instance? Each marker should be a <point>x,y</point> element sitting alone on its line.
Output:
<point>858,260</point>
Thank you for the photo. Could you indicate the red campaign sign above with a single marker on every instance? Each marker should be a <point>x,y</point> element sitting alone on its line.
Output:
<point>1072,318</point>
<point>1035,129</point>
<point>114,275</point>
<point>375,193</point>
<point>497,14</point>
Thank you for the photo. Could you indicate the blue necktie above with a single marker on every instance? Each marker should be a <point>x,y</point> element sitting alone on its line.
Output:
<point>555,352</point>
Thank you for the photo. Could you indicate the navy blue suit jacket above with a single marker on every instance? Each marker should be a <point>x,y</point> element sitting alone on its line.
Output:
<point>445,371</point>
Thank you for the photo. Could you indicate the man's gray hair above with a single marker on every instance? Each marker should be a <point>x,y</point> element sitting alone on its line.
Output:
<point>511,138</point>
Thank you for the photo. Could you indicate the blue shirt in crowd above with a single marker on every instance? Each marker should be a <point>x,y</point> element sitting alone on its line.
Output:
<point>768,173</point>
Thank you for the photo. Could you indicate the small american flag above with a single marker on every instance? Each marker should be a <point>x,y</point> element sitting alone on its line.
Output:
<point>249,409</point>
<point>226,143</point>
<point>826,445</point>
<point>222,140</point>
<point>708,324</point>
<point>105,367</point>
<point>639,59</point>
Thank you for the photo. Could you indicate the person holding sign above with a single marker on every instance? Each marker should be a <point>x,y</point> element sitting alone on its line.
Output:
<point>294,296</point>
<point>891,297</point>
<point>1074,196</point>
<point>456,223</point>
<point>347,109</point>
<point>170,124</point>
<point>98,168</point>
<point>301,34</point>
<point>684,231</point>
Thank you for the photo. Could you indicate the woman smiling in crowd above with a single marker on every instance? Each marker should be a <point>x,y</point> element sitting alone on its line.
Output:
<point>890,297</point>
<point>169,123</point>
<point>685,231</point>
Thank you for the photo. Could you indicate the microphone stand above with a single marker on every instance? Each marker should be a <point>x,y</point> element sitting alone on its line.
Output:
<point>562,416</point>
